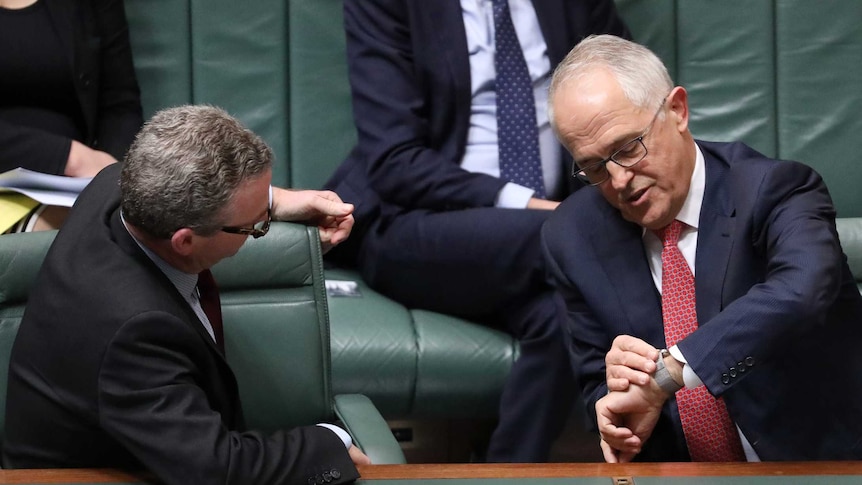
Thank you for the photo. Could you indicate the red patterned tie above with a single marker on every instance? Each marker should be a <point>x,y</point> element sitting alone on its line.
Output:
<point>709,431</point>
<point>211,305</point>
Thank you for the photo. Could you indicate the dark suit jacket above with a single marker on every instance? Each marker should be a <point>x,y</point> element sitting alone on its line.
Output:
<point>100,60</point>
<point>111,368</point>
<point>410,79</point>
<point>780,314</point>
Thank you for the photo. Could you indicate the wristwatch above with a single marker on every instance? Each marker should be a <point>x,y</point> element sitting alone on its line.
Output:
<point>662,375</point>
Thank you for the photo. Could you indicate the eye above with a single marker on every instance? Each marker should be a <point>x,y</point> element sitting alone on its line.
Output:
<point>629,149</point>
<point>594,169</point>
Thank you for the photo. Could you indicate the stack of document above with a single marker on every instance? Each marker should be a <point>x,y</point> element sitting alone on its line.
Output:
<point>21,190</point>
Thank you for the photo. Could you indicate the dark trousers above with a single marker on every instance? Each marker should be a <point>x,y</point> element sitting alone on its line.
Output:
<point>486,265</point>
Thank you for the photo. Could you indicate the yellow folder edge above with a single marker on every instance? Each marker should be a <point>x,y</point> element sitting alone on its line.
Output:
<point>13,207</point>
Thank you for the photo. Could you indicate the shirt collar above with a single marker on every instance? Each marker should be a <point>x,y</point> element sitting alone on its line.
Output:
<point>690,211</point>
<point>185,283</point>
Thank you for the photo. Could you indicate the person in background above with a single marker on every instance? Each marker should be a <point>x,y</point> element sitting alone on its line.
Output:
<point>455,170</point>
<point>69,100</point>
<point>713,314</point>
<point>133,375</point>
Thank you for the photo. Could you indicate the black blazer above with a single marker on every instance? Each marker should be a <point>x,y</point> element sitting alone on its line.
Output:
<point>410,79</point>
<point>111,368</point>
<point>779,311</point>
<point>100,58</point>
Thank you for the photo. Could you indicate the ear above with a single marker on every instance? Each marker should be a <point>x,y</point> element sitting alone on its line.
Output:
<point>183,241</point>
<point>678,107</point>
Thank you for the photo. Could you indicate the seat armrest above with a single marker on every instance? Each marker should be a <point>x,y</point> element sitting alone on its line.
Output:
<point>368,429</point>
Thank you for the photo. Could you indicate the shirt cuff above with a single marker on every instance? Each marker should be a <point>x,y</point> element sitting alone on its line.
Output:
<point>514,196</point>
<point>345,438</point>
<point>689,378</point>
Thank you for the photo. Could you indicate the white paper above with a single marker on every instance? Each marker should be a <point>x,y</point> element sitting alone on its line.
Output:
<point>42,187</point>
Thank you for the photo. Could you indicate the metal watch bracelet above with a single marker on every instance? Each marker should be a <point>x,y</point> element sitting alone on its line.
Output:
<point>662,375</point>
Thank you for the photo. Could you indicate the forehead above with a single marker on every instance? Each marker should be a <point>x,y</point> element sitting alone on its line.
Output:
<point>592,115</point>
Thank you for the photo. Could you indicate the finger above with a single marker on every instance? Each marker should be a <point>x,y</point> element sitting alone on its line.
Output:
<point>357,456</point>
<point>627,343</point>
<point>609,453</point>
<point>618,384</point>
<point>640,377</point>
<point>328,204</point>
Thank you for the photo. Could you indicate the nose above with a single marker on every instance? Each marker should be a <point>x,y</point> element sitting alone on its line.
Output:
<point>619,176</point>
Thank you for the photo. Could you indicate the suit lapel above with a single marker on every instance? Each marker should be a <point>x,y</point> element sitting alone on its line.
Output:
<point>130,246</point>
<point>552,22</point>
<point>445,18</point>
<point>715,238</point>
<point>620,244</point>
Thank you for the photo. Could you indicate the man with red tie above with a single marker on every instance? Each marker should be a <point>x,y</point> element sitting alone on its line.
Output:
<point>713,314</point>
<point>119,360</point>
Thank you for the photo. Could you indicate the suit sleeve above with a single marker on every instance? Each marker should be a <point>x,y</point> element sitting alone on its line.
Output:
<point>793,238</point>
<point>152,401</point>
<point>587,339</point>
<point>119,115</point>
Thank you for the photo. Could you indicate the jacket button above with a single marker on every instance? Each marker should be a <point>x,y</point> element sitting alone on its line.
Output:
<point>319,479</point>
<point>327,476</point>
<point>335,473</point>
<point>749,361</point>
<point>733,372</point>
<point>725,379</point>
<point>740,366</point>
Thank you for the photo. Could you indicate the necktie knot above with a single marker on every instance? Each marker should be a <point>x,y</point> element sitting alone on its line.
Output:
<point>669,234</point>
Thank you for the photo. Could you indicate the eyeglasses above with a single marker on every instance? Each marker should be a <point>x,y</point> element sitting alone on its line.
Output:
<point>626,156</point>
<point>258,230</point>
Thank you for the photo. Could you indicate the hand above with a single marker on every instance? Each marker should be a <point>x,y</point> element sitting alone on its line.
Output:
<point>630,360</point>
<point>358,457</point>
<point>542,204</point>
<point>333,218</point>
<point>626,420</point>
<point>83,161</point>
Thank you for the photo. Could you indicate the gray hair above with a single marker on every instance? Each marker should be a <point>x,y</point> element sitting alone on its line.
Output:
<point>184,166</point>
<point>641,75</point>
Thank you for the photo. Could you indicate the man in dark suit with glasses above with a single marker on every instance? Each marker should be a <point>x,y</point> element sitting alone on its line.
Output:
<point>713,314</point>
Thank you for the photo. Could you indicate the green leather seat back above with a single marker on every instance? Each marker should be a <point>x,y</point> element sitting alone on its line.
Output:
<point>321,117</point>
<point>275,316</point>
<point>783,76</point>
<point>277,328</point>
<point>220,52</point>
<point>21,257</point>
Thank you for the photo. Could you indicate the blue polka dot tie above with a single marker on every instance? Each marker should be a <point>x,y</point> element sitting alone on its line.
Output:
<point>517,133</point>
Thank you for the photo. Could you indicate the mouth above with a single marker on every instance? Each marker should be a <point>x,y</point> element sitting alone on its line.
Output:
<point>636,197</point>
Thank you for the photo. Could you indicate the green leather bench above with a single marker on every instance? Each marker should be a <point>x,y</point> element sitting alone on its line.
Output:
<point>785,76</point>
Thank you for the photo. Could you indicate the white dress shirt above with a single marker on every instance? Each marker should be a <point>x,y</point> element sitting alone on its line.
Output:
<point>690,216</point>
<point>481,154</point>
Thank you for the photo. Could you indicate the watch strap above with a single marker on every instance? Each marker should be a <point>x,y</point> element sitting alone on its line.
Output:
<point>662,375</point>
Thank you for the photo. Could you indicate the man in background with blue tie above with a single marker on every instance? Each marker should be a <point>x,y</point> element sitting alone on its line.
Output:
<point>454,144</point>
<point>726,260</point>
